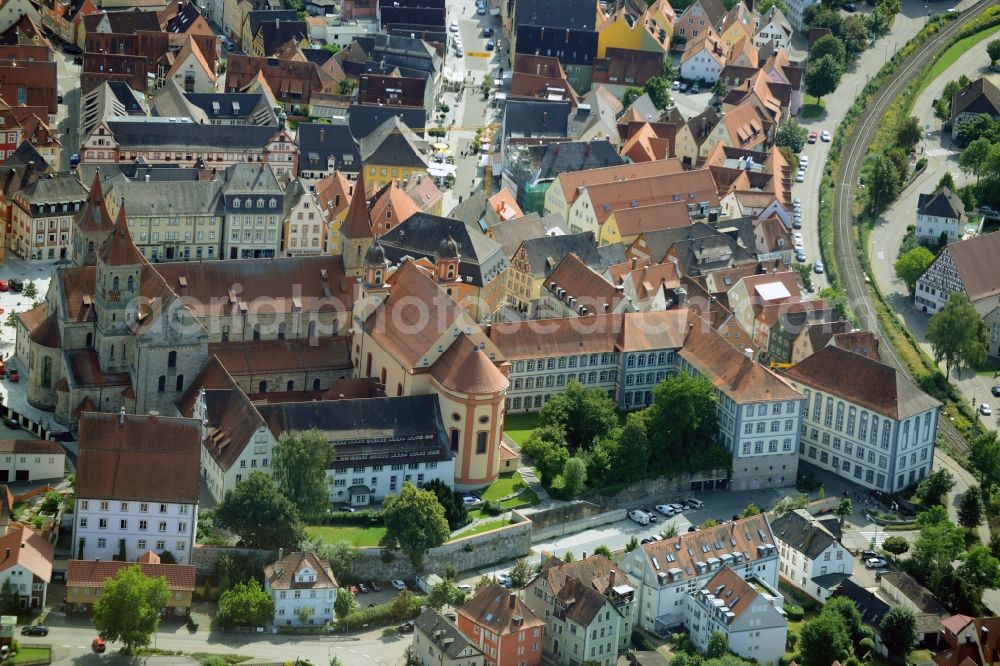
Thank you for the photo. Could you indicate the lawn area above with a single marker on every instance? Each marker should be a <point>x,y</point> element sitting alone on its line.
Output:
<point>949,57</point>
<point>482,527</point>
<point>32,655</point>
<point>812,107</point>
<point>355,534</point>
<point>519,426</point>
<point>507,484</point>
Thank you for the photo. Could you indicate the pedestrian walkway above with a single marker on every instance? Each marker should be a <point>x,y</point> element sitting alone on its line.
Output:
<point>940,152</point>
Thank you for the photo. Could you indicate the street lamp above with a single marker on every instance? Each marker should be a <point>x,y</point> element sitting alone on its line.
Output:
<point>875,540</point>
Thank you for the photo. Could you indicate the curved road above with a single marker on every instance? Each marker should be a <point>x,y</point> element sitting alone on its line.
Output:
<point>855,152</point>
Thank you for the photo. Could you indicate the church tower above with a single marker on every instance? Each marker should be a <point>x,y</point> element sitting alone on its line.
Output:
<point>356,230</point>
<point>92,225</point>
<point>119,270</point>
<point>446,261</point>
<point>372,290</point>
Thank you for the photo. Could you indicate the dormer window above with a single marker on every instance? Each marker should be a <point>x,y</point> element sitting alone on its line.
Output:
<point>236,203</point>
<point>260,203</point>
<point>273,203</point>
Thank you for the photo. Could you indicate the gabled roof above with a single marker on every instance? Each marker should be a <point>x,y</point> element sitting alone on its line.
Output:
<point>499,610</point>
<point>319,142</point>
<point>800,531</point>
<point>94,573</point>
<point>975,260</point>
<point>980,96</point>
<point>393,143</point>
<point>862,381</point>
<point>573,183</point>
<point>26,548</point>
<point>741,378</point>
<point>535,118</point>
<point>545,253</point>
<point>941,203</point>
<point>581,603</point>
<point>871,607</point>
<point>188,51</point>
<point>443,632</point>
<point>559,14</point>
<point>280,575</point>
<point>596,572</point>
<point>577,280</point>
<point>917,594</point>
<point>123,457</point>
<point>735,593</point>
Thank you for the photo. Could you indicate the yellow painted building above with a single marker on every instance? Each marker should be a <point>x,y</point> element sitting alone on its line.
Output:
<point>650,32</point>
<point>390,153</point>
<point>234,17</point>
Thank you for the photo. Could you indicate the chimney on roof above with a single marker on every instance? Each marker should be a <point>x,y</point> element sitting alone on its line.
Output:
<point>512,600</point>
<point>611,579</point>
<point>121,417</point>
<point>7,557</point>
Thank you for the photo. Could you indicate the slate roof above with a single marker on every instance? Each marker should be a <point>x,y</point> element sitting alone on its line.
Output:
<point>920,596</point>
<point>258,16</point>
<point>170,135</point>
<point>127,461</point>
<point>524,118</point>
<point>131,21</point>
<point>391,427</point>
<point>451,641</point>
<point>364,119</point>
<point>233,106</point>
<point>566,14</point>
<point>482,258</point>
<point>871,607</point>
<point>551,159</point>
<point>941,203</point>
<point>393,143</point>
<point>319,142</point>
<point>545,253</point>
<point>802,533</point>
<point>275,35</point>
<point>980,96</point>
<point>55,189</point>
<point>862,381</point>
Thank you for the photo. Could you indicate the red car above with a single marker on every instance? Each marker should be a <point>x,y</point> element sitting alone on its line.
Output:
<point>812,136</point>
<point>98,646</point>
<point>3,285</point>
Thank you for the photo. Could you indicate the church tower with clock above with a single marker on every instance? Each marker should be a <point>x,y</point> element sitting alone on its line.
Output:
<point>119,271</point>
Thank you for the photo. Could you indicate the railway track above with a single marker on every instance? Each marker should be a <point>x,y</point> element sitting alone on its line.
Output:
<point>855,152</point>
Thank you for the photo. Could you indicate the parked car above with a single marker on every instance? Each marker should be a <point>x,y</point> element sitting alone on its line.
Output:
<point>825,136</point>
<point>490,45</point>
<point>800,255</point>
<point>454,25</point>
<point>363,588</point>
<point>678,508</point>
<point>665,509</point>
<point>684,87</point>
<point>481,10</point>
<point>875,563</point>
<point>397,584</point>
<point>354,590</point>
<point>801,176</point>
<point>3,285</point>
<point>13,424</point>
<point>459,53</point>
<point>405,628</point>
<point>803,161</point>
<point>695,89</point>
<point>639,516</point>
<point>487,32</point>
<point>850,8</point>
<point>470,500</point>
<point>797,223</point>
<point>675,86</point>
<point>693,503</point>
<point>985,409</point>
<point>15,284</point>
<point>868,554</point>
<point>98,645</point>
<point>996,391</point>
<point>652,516</point>
<point>35,630</point>
<point>812,136</point>
<point>818,266</point>
<point>373,587</point>
<point>462,587</point>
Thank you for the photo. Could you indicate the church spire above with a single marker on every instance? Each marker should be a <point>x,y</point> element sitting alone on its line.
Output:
<point>119,250</point>
<point>358,224</point>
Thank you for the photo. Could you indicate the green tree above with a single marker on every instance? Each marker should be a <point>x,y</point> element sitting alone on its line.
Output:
<point>879,22</point>
<point>936,547</point>
<point>979,569</point>
<point>984,455</point>
<point>340,555</point>
<point>974,156</point>
<point>829,46</point>
<point>682,425</point>
<point>947,180</point>
<point>719,89</point>
<point>245,605</point>
<point>854,32</point>
<point>981,126</point>
<point>764,6</point>
<point>848,612</point>
<point>348,86</point>
<point>443,594</point>
<point>895,545</point>
<point>129,608</point>
<point>844,510</point>
<point>455,510</point>
<point>823,77</point>
<point>934,487</point>
<point>670,531</point>
<point>912,265</point>
<point>603,550</point>
<point>11,320</point>
<point>993,50</point>
<point>634,447</point>
<point>584,414</point>
<point>750,510</point>
<point>898,630</point>
<point>573,478</point>
<point>600,461</point>
<point>630,95</point>
<point>883,183</point>
<point>414,522</point>
<point>299,468</point>
<point>658,89</point>
<point>260,515</point>
<point>305,614</point>
<point>824,640</point>
<point>957,334</point>
<point>632,544</point>
<point>970,508</point>
<point>332,49</point>
<point>909,133</point>
<point>403,605</point>
<point>791,134</point>
<point>718,645</point>
<point>10,600</point>
<point>890,7</point>
<point>345,603</point>
<point>30,289</point>
<point>521,574</point>
<point>547,447</point>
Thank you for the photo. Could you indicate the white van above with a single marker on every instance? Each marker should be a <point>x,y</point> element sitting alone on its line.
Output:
<point>693,503</point>
<point>639,516</point>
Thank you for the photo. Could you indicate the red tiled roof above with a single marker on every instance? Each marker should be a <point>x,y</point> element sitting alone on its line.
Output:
<point>93,573</point>
<point>24,547</point>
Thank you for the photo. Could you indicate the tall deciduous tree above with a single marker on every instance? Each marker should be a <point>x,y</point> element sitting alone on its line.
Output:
<point>979,569</point>
<point>573,478</point>
<point>443,594</point>
<point>520,573</point>
<point>547,447</point>
<point>931,492</point>
<point>824,640</point>
<point>414,522</point>
<point>974,156</point>
<point>898,630</point>
<point>129,608</point>
<point>823,77</point>
<point>909,133</point>
<point>985,459</point>
<point>848,612</point>
<point>584,414</point>
<point>340,555</point>
<point>937,546</point>
<point>883,183</point>
<point>912,265</point>
<point>829,46</point>
<point>633,447</point>
<point>260,515</point>
<point>791,134</point>
<point>970,508</point>
<point>299,468</point>
<point>682,420</point>
<point>844,509</point>
<point>957,334</point>
<point>993,50</point>
<point>454,508</point>
<point>345,603</point>
<point>245,605</point>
